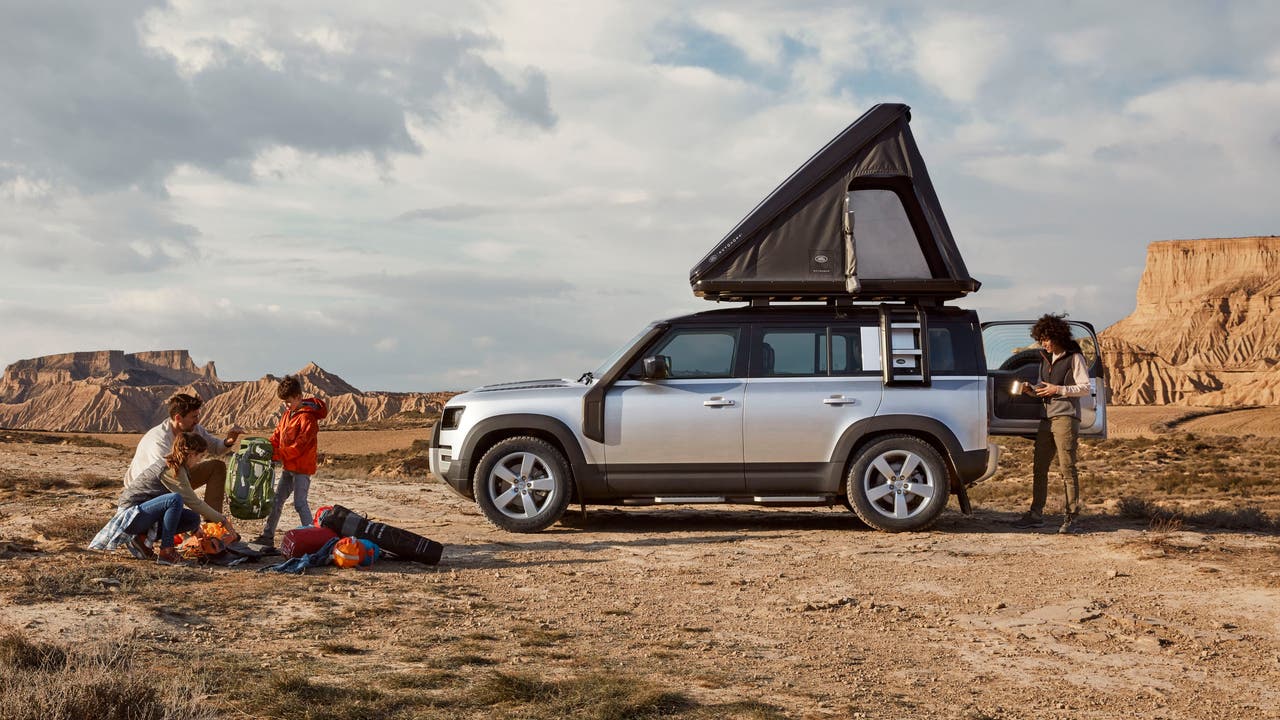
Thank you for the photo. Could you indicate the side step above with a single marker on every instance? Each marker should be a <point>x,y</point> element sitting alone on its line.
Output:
<point>712,499</point>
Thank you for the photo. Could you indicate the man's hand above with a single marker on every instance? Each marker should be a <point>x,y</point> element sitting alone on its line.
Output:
<point>1047,390</point>
<point>233,435</point>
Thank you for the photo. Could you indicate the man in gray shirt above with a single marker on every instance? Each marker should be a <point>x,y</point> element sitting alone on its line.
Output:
<point>148,460</point>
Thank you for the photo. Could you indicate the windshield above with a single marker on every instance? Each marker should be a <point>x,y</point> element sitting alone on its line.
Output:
<point>617,354</point>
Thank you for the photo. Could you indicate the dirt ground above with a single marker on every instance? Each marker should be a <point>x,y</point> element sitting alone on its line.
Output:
<point>741,613</point>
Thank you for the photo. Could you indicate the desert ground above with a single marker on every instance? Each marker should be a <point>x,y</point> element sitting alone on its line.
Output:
<point>1167,607</point>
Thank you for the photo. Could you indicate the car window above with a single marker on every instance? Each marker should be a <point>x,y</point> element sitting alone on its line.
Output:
<point>1009,346</point>
<point>846,350</point>
<point>698,353</point>
<point>793,352</point>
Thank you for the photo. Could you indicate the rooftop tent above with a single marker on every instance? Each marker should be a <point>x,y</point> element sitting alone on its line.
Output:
<point>859,220</point>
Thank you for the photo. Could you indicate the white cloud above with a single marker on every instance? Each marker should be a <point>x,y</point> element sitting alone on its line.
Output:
<point>956,54</point>
<point>535,180</point>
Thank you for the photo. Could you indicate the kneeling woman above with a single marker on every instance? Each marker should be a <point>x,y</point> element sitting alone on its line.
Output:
<point>157,498</point>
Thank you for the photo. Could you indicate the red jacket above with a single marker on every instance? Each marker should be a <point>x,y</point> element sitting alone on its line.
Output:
<point>295,437</point>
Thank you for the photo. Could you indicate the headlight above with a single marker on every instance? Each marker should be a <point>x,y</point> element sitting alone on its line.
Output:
<point>451,417</point>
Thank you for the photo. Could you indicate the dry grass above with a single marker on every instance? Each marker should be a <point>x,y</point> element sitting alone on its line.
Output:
<point>1210,481</point>
<point>593,697</point>
<point>75,529</point>
<point>1163,519</point>
<point>95,680</point>
<point>22,485</point>
<point>34,581</point>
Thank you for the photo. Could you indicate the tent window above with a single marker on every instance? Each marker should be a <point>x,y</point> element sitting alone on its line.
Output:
<point>884,243</point>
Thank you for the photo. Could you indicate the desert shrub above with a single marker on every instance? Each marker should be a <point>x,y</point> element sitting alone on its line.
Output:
<point>1246,518</point>
<point>37,582</point>
<point>25,485</point>
<point>75,528</point>
<point>93,680</point>
<point>1166,520</point>
<point>1136,508</point>
<point>597,696</point>
<point>98,482</point>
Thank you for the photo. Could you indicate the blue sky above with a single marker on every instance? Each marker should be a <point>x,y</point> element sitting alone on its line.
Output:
<point>433,196</point>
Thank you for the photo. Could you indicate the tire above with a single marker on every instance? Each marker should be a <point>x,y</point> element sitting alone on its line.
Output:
<point>522,484</point>
<point>886,498</point>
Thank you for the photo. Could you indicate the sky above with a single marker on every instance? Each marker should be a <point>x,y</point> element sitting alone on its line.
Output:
<point>429,196</point>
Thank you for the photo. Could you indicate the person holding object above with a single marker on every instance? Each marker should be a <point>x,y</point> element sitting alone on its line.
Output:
<point>295,440</point>
<point>1063,380</point>
<point>148,501</point>
<point>184,416</point>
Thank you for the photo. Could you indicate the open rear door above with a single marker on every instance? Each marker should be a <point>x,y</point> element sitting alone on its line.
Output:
<point>1012,355</point>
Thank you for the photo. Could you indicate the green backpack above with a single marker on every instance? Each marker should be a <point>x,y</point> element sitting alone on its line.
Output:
<point>250,477</point>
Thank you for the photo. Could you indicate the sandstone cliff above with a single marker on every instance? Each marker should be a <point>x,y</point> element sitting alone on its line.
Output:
<point>111,391</point>
<point>1206,329</point>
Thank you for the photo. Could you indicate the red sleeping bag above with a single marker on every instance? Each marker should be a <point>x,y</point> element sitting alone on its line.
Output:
<point>305,540</point>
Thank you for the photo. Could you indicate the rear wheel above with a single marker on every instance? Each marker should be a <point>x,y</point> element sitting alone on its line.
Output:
<point>522,484</point>
<point>898,484</point>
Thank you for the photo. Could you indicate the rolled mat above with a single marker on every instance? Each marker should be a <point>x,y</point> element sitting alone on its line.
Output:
<point>403,544</point>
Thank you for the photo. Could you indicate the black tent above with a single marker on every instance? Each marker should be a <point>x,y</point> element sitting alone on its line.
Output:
<point>859,220</point>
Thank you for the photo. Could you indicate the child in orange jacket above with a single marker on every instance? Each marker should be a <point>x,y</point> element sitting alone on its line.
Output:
<point>294,441</point>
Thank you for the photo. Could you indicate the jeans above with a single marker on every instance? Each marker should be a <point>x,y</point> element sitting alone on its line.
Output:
<point>297,484</point>
<point>1057,438</point>
<point>168,511</point>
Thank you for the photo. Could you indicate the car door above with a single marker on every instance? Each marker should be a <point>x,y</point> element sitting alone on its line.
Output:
<point>1013,355</point>
<point>806,387</point>
<point>682,434</point>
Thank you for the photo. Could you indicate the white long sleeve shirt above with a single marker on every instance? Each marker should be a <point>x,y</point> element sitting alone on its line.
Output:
<point>148,460</point>
<point>1079,386</point>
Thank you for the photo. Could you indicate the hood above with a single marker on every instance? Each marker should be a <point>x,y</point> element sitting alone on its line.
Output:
<point>525,385</point>
<point>313,406</point>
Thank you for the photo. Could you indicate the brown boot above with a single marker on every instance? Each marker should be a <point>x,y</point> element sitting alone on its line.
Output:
<point>139,548</point>
<point>170,556</point>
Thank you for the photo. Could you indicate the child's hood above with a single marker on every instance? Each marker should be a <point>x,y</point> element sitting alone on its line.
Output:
<point>313,406</point>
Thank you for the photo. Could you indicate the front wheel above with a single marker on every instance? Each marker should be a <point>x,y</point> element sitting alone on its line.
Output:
<point>522,484</point>
<point>898,484</point>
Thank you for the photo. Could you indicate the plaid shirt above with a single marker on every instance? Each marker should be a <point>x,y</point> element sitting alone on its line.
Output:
<point>113,535</point>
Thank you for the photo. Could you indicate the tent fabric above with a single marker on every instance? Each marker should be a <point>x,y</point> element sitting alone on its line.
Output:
<point>801,241</point>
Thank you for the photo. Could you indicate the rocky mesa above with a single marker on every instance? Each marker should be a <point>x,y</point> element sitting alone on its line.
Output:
<point>113,391</point>
<point>1206,328</point>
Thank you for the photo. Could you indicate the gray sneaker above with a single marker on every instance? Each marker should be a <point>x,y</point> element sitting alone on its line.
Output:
<point>1070,526</point>
<point>1029,520</point>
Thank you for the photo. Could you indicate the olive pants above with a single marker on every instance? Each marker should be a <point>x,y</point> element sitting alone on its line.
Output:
<point>212,474</point>
<point>1057,437</point>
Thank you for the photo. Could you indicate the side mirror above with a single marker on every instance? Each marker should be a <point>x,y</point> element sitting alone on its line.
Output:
<point>657,367</point>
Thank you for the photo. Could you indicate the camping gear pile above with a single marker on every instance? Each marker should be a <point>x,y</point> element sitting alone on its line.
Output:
<point>214,544</point>
<point>349,540</point>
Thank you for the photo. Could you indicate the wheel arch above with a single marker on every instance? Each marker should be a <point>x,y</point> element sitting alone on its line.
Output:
<point>491,431</point>
<point>869,430</point>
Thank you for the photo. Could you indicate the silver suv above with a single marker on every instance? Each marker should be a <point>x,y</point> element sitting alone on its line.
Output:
<point>844,380</point>
<point>774,405</point>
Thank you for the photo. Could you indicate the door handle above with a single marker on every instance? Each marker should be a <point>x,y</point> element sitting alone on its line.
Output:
<point>839,400</point>
<point>718,402</point>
